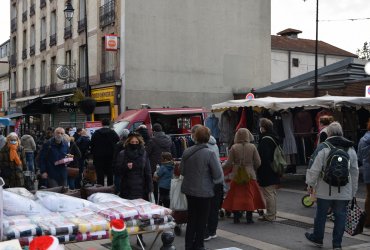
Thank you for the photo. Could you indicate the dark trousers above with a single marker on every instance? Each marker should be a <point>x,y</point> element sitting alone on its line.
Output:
<point>215,206</point>
<point>198,209</point>
<point>103,167</point>
<point>155,190</point>
<point>367,206</point>
<point>164,197</point>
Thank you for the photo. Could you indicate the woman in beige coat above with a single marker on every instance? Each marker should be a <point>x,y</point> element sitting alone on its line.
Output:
<point>244,193</point>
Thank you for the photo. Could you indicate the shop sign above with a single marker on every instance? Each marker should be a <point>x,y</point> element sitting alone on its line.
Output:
<point>69,107</point>
<point>91,127</point>
<point>104,94</point>
<point>249,96</point>
<point>70,85</point>
<point>111,42</point>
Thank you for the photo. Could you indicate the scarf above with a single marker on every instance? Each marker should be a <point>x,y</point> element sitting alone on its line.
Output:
<point>13,154</point>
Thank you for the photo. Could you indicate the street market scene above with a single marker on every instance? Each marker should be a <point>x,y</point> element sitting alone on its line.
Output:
<point>226,125</point>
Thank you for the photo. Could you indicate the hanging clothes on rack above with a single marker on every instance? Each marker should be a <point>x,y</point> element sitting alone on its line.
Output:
<point>229,120</point>
<point>181,143</point>
<point>211,122</point>
<point>289,144</point>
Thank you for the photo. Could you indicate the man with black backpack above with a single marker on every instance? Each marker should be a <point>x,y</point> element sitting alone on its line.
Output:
<point>333,177</point>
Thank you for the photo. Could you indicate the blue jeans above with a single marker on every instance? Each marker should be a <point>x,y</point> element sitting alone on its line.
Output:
<point>339,210</point>
<point>30,161</point>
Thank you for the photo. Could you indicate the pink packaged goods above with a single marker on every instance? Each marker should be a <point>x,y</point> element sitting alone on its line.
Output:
<point>126,213</point>
<point>106,205</point>
<point>109,214</point>
<point>78,213</point>
<point>152,211</point>
<point>93,236</point>
<point>91,223</point>
<point>58,227</point>
<point>139,202</point>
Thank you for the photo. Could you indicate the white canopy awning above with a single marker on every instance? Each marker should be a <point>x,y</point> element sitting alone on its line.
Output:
<point>277,103</point>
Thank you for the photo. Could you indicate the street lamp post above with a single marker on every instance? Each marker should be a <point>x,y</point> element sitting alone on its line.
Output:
<point>68,12</point>
<point>316,47</point>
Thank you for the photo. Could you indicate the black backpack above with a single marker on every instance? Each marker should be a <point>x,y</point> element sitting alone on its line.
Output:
<point>336,172</point>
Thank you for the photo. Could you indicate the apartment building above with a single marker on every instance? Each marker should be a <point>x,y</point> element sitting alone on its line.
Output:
<point>4,77</point>
<point>48,60</point>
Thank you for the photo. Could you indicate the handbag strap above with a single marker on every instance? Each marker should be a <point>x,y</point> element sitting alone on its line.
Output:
<point>353,202</point>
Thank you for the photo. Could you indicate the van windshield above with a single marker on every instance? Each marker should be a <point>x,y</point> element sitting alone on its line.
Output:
<point>118,127</point>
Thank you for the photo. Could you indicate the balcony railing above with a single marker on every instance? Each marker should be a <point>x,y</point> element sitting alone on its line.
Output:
<point>43,45</point>
<point>42,89</point>
<point>32,10</point>
<point>53,87</point>
<point>32,50</point>
<point>13,25</point>
<point>25,93</point>
<point>33,91</point>
<point>24,54</point>
<point>42,3</point>
<point>24,16</point>
<point>107,15</point>
<point>81,25</point>
<point>13,60</point>
<point>108,76</point>
<point>13,95</point>
<point>68,32</point>
<point>53,40</point>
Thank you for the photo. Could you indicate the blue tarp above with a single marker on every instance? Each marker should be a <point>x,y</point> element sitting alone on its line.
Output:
<point>5,121</point>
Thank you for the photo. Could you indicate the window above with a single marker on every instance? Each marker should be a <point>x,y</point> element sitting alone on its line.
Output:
<point>82,59</point>
<point>52,71</point>
<point>109,57</point>
<point>82,10</point>
<point>43,28</point>
<point>32,36</point>
<point>13,11</point>
<point>68,58</point>
<point>295,62</point>
<point>32,77</point>
<point>25,82</point>
<point>14,83</point>
<point>43,73</point>
<point>53,23</point>
<point>24,5</point>
<point>24,39</point>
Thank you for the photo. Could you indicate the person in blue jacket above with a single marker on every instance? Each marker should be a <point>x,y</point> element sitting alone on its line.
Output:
<point>164,176</point>
<point>52,164</point>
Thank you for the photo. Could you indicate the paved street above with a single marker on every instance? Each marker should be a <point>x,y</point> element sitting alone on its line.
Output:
<point>286,233</point>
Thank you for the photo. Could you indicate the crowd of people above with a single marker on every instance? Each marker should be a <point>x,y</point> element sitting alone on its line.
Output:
<point>141,166</point>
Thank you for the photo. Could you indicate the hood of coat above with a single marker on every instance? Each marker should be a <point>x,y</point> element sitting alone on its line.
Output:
<point>192,150</point>
<point>212,140</point>
<point>168,165</point>
<point>243,135</point>
<point>340,141</point>
<point>366,137</point>
<point>163,140</point>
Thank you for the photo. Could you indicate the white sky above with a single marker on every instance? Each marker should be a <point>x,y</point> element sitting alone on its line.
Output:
<point>297,14</point>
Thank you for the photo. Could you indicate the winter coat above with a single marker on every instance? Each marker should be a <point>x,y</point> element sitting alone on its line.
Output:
<point>212,144</point>
<point>83,143</point>
<point>137,181</point>
<point>229,121</point>
<point>363,154</point>
<point>165,173</point>
<point>49,154</point>
<point>144,133</point>
<point>28,143</point>
<point>75,151</point>
<point>103,142</point>
<point>266,148</point>
<point>2,141</point>
<point>12,174</point>
<point>212,123</point>
<point>201,170</point>
<point>243,154</point>
<point>158,144</point>
<point>317,164</point>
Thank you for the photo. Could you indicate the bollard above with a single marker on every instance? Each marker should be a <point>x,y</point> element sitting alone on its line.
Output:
<point>167,239</point>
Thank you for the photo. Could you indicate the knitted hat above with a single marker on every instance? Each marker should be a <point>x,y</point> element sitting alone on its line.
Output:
<point>117,225</point>
<point>46,242</point>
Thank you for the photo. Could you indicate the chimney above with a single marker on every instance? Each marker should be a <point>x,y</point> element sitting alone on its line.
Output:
<point>290,33</point>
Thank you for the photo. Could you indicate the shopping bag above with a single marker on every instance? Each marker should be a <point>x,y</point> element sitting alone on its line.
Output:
<point>178,200</point>
<point>355,218</point>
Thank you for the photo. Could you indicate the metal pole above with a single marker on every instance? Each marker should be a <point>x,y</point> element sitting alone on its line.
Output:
<point>86,56</point>
<point>316,47</point>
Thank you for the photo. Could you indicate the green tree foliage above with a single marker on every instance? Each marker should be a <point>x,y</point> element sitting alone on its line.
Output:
<point>364,52</point>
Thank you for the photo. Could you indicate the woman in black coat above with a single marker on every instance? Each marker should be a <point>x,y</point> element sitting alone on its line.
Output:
<point>267,178</point>
<point>133,167</point>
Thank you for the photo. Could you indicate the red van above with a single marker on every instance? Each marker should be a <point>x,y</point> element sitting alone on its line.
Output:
<point>173,120</point>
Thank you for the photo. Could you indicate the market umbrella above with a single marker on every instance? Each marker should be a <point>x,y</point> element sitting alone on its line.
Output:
<point>5,121</point>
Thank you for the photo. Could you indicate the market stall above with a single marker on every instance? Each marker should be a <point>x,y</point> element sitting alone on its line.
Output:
<point>295,119</point>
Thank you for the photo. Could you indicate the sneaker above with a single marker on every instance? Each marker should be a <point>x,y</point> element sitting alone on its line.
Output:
<point>263,218</point>
<point>310,238</point>
<point>207,237</point>
<point>214,236</point>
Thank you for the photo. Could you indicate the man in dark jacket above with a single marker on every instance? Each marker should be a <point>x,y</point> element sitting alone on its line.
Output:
<point>158,144</point>
<point>103,142</point>
<point>267,178</point>
<point>52,153</point>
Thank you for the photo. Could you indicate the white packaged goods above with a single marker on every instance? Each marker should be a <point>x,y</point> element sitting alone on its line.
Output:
<point>78,213</point>
<point>15,219</point>
<point>152,211</point>
<point>56,202</point>
<point>15,204</point>
<point>166,226</point>
<point>23,192</point>
<point>91,223</point>
<point>22,230</point>
<point>139,202</point>
<point>105,205</point>
<point>105,197</point>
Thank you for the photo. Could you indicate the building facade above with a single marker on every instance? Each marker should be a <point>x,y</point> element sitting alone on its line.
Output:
<point>4,77</point>
<point>193,53</point>
<point>48,60</point>
<point>292,56</point>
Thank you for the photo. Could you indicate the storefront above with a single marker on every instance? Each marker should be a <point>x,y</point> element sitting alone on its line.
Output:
<point>106,107</point>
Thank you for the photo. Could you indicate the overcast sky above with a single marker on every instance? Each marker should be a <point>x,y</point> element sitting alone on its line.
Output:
<point>297,14</point>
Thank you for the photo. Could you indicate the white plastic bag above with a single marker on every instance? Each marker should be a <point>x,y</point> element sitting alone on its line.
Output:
<point>178,200</point>
<point>15,204</point>
<point>56,202</point>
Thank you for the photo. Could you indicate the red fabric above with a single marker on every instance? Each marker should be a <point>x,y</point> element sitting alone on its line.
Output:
<point>243,121</point>
<point>41,243</point>
<point>246,197</point>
